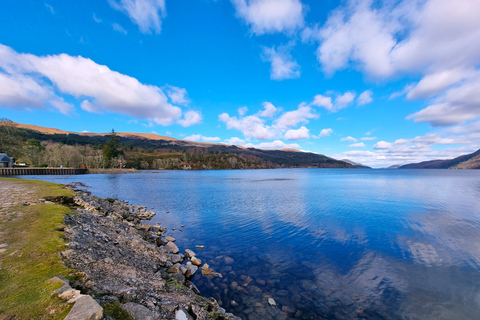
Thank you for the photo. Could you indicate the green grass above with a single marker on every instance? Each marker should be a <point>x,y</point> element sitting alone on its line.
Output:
<point>32,258</point>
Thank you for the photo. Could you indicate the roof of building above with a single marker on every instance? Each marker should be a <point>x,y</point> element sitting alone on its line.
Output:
<point>5,158</point>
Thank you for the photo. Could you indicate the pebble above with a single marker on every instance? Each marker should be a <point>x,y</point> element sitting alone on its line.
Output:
<point>199,246</point>
<point>271,302</point>
<point>170,238</point>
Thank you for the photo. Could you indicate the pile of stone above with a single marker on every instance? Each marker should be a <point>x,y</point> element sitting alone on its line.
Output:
<point>121,260</point>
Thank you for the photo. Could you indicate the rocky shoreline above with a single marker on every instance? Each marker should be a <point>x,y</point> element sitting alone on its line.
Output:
<point>131,266</point>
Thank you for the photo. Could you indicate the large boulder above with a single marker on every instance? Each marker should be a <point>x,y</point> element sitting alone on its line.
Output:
<point>85,309</point>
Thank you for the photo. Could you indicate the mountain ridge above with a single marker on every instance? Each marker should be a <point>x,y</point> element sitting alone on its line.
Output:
<point>466,161</point>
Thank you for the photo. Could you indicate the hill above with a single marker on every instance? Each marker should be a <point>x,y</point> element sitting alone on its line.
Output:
<point>467,161</point>
<point>151,151</point>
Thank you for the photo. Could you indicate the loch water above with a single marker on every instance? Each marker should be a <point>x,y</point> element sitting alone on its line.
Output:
<point>323,243</point>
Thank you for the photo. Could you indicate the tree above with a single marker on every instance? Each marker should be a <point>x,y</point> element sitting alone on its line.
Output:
<point>110,149</point>
<point>10,138</point>
<point>33,150</point>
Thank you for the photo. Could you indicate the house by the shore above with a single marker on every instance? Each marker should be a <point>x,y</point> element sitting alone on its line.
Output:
<point>5,161</point>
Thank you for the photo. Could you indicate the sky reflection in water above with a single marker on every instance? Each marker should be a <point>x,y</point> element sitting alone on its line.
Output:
<point>380,244</point>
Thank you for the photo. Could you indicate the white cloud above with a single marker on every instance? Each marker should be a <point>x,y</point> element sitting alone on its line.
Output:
<point>242,111</point>
<point>282,64</point>
<point>177,95</point>
<point>341,101</point>
<point>322,101</point>
<point>326,132</point>
<point>190,118</point>
<point>344,100</point>
<point>251,126</point>
<point>119,28</point>
<point>368,138</point>
<point>168,133</point>
<point>299,134</point>
<point>277,144</point>
<point>235,141</point>
<point>210,139</point>
<point>292,118</point>
<point>198,137</point>
<point>437,39</point>
<point>357,145</point>
<point>37,82</point>
<point>147,14</point>
<point>271,16</point>
<point>382,145</point>
<point>268,110</point>
<point>435,83</point>
<point>457,105</point>
<point>364,98</point>
<point>349,139</point>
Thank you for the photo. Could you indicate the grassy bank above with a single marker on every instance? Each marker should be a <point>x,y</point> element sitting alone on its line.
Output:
<point>33,238</point>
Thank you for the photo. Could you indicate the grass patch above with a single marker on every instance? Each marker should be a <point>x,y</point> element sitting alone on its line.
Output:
<point>113,310</point>
<point>34,241</point>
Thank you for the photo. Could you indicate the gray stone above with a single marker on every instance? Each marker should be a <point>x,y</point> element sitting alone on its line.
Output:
<point>271,302</point>
<point>189,253</point>
<point>85,309</point>
<point>138,312</point>
<point>171,247</point>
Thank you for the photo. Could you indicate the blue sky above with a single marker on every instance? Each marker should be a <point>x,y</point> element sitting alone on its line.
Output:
<point>377,82</point>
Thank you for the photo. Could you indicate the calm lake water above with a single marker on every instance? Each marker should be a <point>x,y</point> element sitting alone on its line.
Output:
<point>324,243</point>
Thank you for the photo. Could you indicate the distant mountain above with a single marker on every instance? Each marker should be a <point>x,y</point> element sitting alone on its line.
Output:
<point>395,166</point>
<point>356,164</point>
<point>151,151</point>
<point>467,161</point>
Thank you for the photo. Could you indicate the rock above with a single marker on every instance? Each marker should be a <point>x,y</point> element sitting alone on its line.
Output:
<point>234,285</point>
<point>288,309</point>
<point>308,285</point>
<point>181,314</point>
<point>189,253</point>
<point>85,309</point>
<point>170,239</point>
<point>196,261</point>
<point>282,293</point>
<point>69,294</point>
<point>260,282</point>
<point>199,246</point>
<point>205,270</point>
<point>247,281</point>
<point>176,258</point>
<point>228,260</point>
<point>241,289</point>
<point>173,269</point>
<point>171,247</point>
<point>191,270</point>
<point>234,303</point>
<point>137,311</point>
<point>271,302</point>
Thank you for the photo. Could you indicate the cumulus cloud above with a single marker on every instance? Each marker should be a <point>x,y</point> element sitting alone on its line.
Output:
<point>251,126</point>
<point>177,95</point>
<point>30,81</point>
<point>242,111</point>
<point>382,145</point>
<point>292,118</point>
<point>445,144</point>
<point>357,145</point>
<point>268,110</point>
<point>147,14</point>
<point>190,118</point>
<point>364,98</point>
<point>282,64</point>
<point>277,144</point>
<point>271,16</point>
<point>235,141</point>
<point>326,132</point>
<point>349,139</point>
<point>457,105</point>
<point>341,101</point>
<point>322,101</point>
<point>198,137</point>
<point>262,125</point>
<point>438,39</point>
<point>299,134</point>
